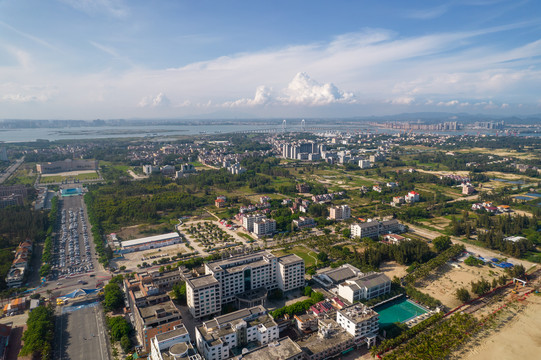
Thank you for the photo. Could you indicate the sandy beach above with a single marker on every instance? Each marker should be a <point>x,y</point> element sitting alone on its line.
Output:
<point>519,338</point>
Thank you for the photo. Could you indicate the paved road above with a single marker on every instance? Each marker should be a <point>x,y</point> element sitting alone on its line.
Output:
<point>80,333</point>
<point>10,170</point>
<point>486,253</point>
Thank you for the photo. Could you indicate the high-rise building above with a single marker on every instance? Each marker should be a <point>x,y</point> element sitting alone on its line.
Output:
<point>341,212</point>
<point>236,278</point>
<point>3,154</point>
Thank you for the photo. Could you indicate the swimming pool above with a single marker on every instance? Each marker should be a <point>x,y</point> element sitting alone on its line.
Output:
<point>399,310</point>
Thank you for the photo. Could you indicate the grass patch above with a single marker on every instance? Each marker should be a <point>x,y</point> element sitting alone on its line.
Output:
<point>302,252</point>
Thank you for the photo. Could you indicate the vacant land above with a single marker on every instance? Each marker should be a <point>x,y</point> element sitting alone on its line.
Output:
<point>443,284</point>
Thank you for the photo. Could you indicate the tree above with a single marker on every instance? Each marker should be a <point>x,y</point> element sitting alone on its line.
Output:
<point>463,295</point>
<point>113,297</point>
<point>442,243</point>
<point>179,292</point>
<point>38,336</point>
<point>322,256</point>
<point>119,327</point>
<point>307,291</point>
<point>125,343</point>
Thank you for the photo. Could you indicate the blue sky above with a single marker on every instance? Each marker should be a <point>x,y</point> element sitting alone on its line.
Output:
<point>87,59</point>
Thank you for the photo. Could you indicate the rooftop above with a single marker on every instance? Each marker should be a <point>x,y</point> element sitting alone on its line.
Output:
<point>371,280</point>
<point>357,313</point>
<point>149,239</point>
<point>283,348</point>
<point>289,259</point>
<point>159,311</point>
<point>250,258</point>
<point>315,343</point>
<point>202,281</point>
<point>179,331</point>
<point>236,315</point>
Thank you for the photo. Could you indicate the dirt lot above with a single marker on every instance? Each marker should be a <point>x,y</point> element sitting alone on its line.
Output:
<point>135,232</point>
<point>444,283</point>
<point>392,269</point>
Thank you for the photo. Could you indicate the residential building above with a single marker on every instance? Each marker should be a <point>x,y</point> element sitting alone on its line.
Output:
<point>155,319</point>
<point>304,222</point>
<point>412,197</point>
<point>150,169</point>
<point>185,170</point>
<point>283,349</point>
<point>394,238</point>
<point>366,286</point>
<point>220,203</point>
<point>243,279</point>
<point>374,228</point>
<point>359,321</point>
<point>21,262</point>
<point>290,272</point>
<point>365,164</point>
<point>249,220</point>
<point>340,212</point>
<point>467,189</point>
<point>264,227</point>
<point>221,337</point>
<point>172,345</point>
<point>330,340</point>
<point>3,154</point>
<point>303,188</point>
<point>203,295</point>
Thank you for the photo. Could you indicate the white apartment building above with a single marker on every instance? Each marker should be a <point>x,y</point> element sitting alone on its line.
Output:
<point>365,164</point>
<point>216,338</point>
<point>230,278</point>
<point>291,272</point>
<point>203,295</point>
<point>359,321</point>
<point>367,286</point>
<point>341,212</point>
<point>249,220</point>
<point>374,228</point>
<point>264,227</point>
<point>173,343</point>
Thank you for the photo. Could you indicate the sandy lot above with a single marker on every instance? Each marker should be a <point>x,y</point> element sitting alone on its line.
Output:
<point>518,338</point>
<point>443,284</point>
<point>392,269</point>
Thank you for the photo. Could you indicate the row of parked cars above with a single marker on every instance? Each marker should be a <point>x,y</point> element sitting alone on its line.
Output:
<point>69,258</point>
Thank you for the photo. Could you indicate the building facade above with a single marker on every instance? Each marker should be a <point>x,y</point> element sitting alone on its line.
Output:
<point>341,212</point>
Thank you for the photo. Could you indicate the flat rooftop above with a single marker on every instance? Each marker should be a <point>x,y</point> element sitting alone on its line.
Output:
<point>159,311</point>
<point>315,344</point>
<point>150,239</point>
<point>202,281</point>
<point>236,315</point>
<point>179,331</point>
<point>358,312</point>
<point>283,348</point>
<point>289,259</point>
<point>226,263</point>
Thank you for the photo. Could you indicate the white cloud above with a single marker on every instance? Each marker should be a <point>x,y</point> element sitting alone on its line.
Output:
<point>262,96</point>
<point>402,100</point>
<point>448,103</point>
<point>303,90</point>
<point>159,100</point>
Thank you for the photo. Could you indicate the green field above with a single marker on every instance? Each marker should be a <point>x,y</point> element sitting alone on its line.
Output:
<point>302,252</point>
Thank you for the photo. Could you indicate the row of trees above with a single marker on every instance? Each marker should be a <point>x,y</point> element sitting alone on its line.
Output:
<point>425,269</point>
<point>47,256</point>
<point>113,296</point>
<point>120,330</point>
<point>38,337</point>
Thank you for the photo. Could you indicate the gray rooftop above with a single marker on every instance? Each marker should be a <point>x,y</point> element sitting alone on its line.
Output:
<point>179,331</point>
<point>371,280</point>
<point>342,273</point>
<point>202,281</point>
<point>236,315</point>
<point>290,259</point>
<point>281,349</point>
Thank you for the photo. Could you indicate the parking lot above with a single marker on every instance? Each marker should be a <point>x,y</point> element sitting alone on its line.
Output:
<point>72,250</point>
